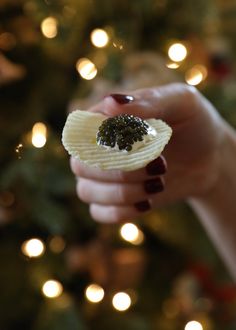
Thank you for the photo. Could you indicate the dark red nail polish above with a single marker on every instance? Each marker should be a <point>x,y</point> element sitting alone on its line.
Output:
<point>122,99</point>
<point>143,206</point>
<point>157,166</point>
<point>154,186</point>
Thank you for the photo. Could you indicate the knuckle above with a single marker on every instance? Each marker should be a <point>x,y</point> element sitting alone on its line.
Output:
<point>191,92</point>
<point>75,166</point>
<point>83,191</point>
<point>122,194</point>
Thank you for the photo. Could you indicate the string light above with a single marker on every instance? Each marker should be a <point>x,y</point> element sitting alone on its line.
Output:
<point>130,233</point>
<point>33,248</point>
<point>121,301</point>
<point>86,68</point>
<point>39,135</point>
<point>196,75</point>
<point>18,150</point>
<point>193,325</point>
<point>172,65</point>
<point>94,293</point>
<point>177,52</point>
<point>118,45</point>
<point>49,27</point>
<point>99,38</point>
<point>52,289</point>
<point>57,244</point>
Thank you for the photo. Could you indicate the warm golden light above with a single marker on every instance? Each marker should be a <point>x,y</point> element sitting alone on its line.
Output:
<point>52,289</point>
<point>33,248</point>
<point>18,150</point>
<point>172,65</point>
<point>202,69</point>
<point>49,27</point>
<point>177,52</point>
<point>86,68</point>
<point>130,233</point>
<point>121,301</point>
<point>94,293</point>
<point>118,45</point>
<point>99,38</point>
<point>193,325</point>
<point>57,244</point>
<point>39,135</point>
<point>196,74</point>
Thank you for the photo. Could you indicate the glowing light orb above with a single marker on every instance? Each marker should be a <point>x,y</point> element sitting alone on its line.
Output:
<point>172,65</point>
<point>99,38</point>
<point>57,244</point>
<point>39,135</point>
<point>121,301</point>
<point>86,69</point>
<point>193,325</point>
<point>52,289</point>
<point>94,293</point>
<point>33,248</point>
<point>49,27</point>
<point>177,52</point>
<point>130,233</point>
<point>196,75</point>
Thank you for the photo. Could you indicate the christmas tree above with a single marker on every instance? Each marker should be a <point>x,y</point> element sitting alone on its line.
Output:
<point>59,269</point>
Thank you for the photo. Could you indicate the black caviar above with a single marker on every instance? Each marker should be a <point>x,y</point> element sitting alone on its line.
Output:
<point>123,130</point>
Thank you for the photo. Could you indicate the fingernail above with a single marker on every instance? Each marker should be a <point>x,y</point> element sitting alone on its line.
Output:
<point>122,99</point>
<point>157,166</point>
<point>154,186</point>
<point>143,206</point>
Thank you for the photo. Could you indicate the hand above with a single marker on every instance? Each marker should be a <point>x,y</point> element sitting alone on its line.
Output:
<point>192,155</point>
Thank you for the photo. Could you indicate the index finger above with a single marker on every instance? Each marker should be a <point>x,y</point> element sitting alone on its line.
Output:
<point>155,168</point>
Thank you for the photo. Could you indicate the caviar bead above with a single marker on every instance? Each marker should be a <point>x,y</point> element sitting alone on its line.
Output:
<point>122,130</point>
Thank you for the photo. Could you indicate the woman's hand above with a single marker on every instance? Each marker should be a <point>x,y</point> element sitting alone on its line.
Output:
<point>192,155</point>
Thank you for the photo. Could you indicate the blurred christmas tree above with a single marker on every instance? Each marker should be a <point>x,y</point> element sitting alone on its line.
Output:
<point>60,270</point>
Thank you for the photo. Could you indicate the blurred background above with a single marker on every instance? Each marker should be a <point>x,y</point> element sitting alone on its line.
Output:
<point>59,269</point>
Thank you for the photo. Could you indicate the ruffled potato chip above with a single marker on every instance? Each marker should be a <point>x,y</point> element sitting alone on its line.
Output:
<point>79,139</point>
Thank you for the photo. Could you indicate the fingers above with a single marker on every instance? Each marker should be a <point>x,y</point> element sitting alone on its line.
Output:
<point>91,191</point>
<point>173,103</point>
<point>156,167</point>
<point>113,214</point>
<point>115,195</point>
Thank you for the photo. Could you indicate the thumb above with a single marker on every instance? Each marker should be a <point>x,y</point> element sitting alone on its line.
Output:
<point>172,103</point>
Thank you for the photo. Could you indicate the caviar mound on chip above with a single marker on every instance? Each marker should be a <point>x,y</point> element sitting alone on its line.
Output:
<point>122,142</point>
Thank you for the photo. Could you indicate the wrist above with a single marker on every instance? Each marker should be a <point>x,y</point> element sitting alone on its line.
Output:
<point>221,169</point>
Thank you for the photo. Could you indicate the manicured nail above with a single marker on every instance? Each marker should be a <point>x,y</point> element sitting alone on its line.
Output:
<point>122,99</point>
<point>143,206</point>
<point>154,186</point>
<point>157,166</point>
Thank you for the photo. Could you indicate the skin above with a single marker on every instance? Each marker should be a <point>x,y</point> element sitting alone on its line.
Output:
<point>201,157</point>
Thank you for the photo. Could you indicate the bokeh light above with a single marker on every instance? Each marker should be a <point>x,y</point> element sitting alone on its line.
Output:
<point>52,289</point>
<point>86,68</point>
<point>39,135</point>
<point>49,27</point>
<point>99,38</point>
<point>94,293</point>
<point>196,75</point>
<point>130,233</point>
<point>33,247</point>
<point>121,301</point>
<point>57,244</point>
<point>193,325</point>
<point>177,52</point>
<point>172,65</point>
